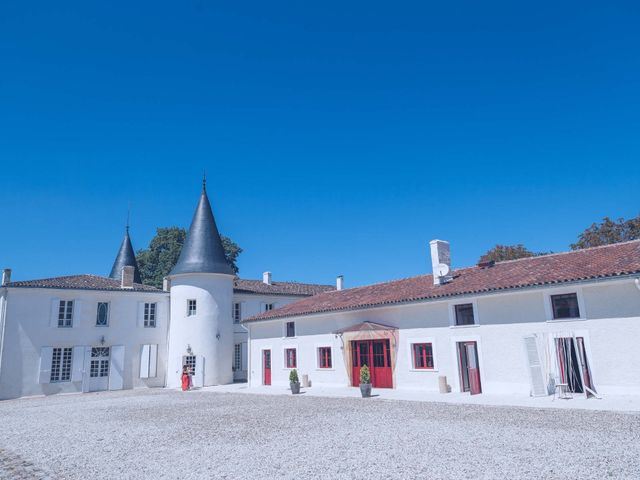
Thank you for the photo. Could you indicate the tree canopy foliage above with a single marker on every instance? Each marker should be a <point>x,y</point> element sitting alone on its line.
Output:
<point>608,231</point>
<point>501,253</point>
<point>160,257</point>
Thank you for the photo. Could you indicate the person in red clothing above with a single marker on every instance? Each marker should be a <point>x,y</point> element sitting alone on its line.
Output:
<point>186,380</point>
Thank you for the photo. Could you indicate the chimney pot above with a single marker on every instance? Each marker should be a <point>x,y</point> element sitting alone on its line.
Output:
<point>440,261</point>
<point>6,276</point>
<point>127,276</point>
<point>340,282</point>
<point>266,278</point>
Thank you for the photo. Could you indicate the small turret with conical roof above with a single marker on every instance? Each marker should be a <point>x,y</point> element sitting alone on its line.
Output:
<point>202,251</point>
<point>125,258</point>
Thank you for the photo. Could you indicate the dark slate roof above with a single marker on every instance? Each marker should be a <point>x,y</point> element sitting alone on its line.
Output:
<point>81,282</point>
<point>202,251</point>
<point>125,258</point>
<point>609,261</point>
<point>279,288</point>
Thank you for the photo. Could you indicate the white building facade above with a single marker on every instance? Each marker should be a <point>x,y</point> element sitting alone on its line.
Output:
<point>87,333</point>
<point>533,326</point>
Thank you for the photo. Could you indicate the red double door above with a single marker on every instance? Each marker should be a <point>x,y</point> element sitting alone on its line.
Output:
<point>376,354</point>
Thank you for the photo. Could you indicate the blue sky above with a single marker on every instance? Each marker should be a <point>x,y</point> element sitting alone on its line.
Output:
<point>337,139</point>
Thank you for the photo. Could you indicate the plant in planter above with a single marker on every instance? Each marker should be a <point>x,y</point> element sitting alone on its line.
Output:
<point>294,382</point>
<point>365,382</point>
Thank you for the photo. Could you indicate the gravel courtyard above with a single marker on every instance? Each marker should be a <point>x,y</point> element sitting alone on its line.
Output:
<point>166,434</point>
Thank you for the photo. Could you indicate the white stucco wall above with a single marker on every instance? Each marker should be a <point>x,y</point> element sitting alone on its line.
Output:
<point>609,324</point>
<point>29,327</point>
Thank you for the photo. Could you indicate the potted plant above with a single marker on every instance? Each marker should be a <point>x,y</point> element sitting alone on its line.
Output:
<point>365,382</point>
<point>294,382</point>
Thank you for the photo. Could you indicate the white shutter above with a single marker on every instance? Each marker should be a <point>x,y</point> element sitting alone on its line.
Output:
<point>538,387</point>
<point>116,368</point>
<point>140,314</point>
<point>198,376</point>
<point>55,307</point>
<point>77,372</point>
<point>77,312</point>
<point>86,369</point>
<point>153,361</point>
<point>46,354</point>
<point>243,356</point>
<point>144,361</point>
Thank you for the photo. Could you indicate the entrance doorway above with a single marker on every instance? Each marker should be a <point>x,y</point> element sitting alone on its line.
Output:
<point>376,354</point>
<point>99,369</point>
<point>266,367</point>
<point>469,367</point>
<point>574,365</point>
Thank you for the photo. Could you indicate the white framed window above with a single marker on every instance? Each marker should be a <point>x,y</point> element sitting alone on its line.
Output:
<point>564,304</point>
<point>65,314</point>
<point>463,314</point>
<point>102,314</point>
<point>269,306</point>
<point>237,357</point>
<point>61,361</point>
<point>99,366</point>
<point>191,308</point>
<point>149,316</point>
<point>325,360</point>
<point>422,355</point>
<point>290,358</point>
<point>237,312</point>
<point>190,363</point>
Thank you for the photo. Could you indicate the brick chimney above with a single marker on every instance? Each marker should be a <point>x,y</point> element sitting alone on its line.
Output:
<point>127,276</point>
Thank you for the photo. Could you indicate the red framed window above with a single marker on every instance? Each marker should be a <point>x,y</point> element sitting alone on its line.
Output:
<point>324,357</point>
<point>290,359</point>
<point>423,356</point>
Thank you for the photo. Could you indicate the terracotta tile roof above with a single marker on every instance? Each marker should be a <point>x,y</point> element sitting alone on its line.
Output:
<point>280,288</point>
<point>600,262</point>
<point>81,282</point>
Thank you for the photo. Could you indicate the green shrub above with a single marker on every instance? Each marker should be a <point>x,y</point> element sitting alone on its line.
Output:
<point>365,375</point>
<point>293,376</point>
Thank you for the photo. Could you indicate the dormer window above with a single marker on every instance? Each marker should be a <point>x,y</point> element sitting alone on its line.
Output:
<point>269,306</point>
<point>291,329</point>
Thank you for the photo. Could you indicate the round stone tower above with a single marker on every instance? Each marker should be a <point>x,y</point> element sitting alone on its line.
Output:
<point>201,286</point>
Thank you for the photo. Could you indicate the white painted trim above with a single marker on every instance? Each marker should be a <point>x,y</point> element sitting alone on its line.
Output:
<point>548,309</point>
<point>452,313</point>
<point>410,342</point>
<point>454,340</point>
<point>317,347</point>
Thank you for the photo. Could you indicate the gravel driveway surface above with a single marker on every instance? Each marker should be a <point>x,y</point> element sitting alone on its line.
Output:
<point>167,434</point>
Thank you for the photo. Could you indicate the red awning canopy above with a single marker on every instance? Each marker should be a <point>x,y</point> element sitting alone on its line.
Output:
<point>365,327</point>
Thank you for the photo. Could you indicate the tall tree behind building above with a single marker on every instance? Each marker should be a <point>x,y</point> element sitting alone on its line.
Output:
<point>156,262</point>
<point>608,231</point>
<point>501,253</point>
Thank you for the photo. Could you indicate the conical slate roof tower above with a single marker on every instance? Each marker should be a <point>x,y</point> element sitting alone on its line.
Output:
<point>202,251</point>
<point>125,258</point>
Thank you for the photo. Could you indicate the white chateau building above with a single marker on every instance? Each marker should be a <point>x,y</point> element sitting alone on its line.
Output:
<point>567,321</point>
<point>88,333</point>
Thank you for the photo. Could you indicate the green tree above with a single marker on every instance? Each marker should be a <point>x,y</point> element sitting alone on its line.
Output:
<point>501,253</point>
<point>608,231</point>
<point>156,262</point>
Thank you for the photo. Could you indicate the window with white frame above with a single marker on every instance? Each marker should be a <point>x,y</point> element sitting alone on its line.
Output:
<point>269,306</point>
<point>464,314</point>
<point>565,306</point>
<point>102,314</point>
<point>191,308</point>
<point>99,366</point>
<point>61,364</point>
<point>150,315</point>
<point>290,358</point>
<point>324,357</point>
<point>237,357</point>
<point>422,356</point>
<point>291,329</point>
<point>65,313</point>
<point>237,312</point>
